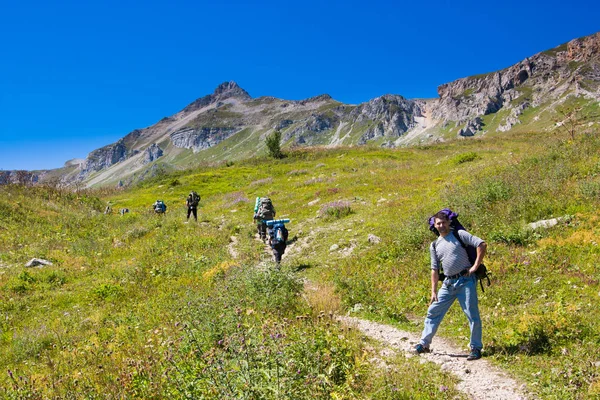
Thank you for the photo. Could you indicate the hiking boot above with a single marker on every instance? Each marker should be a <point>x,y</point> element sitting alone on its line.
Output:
<point>474,355</point>
<point>420,349</point>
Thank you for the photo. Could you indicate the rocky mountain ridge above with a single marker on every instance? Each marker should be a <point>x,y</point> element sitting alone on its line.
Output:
<point>229,124</point>
<point>572,68</point>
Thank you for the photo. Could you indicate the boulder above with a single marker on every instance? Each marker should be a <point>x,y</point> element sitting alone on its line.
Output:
<point>373,239</point>
<point>34,262</point>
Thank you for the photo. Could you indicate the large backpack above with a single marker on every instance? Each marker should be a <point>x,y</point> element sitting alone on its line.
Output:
<point>266,209</point>
<point>279,234</point>
<point>482,272</point>
<point>160,207</point>
<point>195,199</point>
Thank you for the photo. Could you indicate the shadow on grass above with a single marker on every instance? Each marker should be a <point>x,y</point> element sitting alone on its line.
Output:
<point>301,267</point>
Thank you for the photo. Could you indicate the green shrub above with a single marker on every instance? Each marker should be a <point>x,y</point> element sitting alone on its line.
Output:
<point>25,276</point>
<point>465,157</point>
<point>335,210</point>
<point>55,279</point>
<point>270,289</point>
<point>590,189</point>
<point>107,290</point>
<point>492,191</point>
<point>245,354</point>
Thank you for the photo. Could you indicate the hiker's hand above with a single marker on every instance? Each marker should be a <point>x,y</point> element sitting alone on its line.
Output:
<point>434,298</point>
<point>472,270</point>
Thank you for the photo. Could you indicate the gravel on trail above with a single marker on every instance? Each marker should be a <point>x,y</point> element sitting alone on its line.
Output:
<point>479,379</point>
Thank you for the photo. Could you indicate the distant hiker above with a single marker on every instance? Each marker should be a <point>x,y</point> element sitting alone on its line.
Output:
<point>123,211</point>
<point>264,211</point>
<point>108,209</point>
<point>459,283</point>
<point>159,207</point>
<point>191,203</point>
<point>278,235</point>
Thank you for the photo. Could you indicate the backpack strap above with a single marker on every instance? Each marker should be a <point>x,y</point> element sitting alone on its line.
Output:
<point>457,236</point>
<point>441,274</point>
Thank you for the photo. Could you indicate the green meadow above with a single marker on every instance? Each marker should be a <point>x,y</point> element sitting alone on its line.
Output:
<point>148,306</point>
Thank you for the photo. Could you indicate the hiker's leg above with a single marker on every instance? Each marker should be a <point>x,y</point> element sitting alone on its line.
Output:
<point>262,230</point>
<point>281,250</point>
<point>467,297</point>
<point>436,313</point>
<point>195,211</point>
<point>189,212</point>
<point>277,254</point>
<point>269,234</point>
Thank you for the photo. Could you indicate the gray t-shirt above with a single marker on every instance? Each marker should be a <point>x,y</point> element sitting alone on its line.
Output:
<point>450,254</point>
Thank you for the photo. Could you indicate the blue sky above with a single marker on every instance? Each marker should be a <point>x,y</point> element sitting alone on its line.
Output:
<point>78,75</point>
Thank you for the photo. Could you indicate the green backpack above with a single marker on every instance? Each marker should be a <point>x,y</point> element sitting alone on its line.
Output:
<point>266,209</point>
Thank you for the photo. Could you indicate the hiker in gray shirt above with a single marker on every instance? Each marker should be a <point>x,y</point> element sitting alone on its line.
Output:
<point>460,283</point>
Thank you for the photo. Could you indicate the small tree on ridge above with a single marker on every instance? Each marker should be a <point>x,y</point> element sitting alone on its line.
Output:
<point>273,142</point>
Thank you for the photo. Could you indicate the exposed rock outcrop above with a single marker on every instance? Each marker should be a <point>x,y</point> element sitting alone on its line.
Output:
<point>18,177</point>
<point>105,157</point>
<point>472,127</point>
<point>37,262</point>
<point>392,116</point>
<point>304,134</point>
<point>75,162</point>
<point>283,124</point>
<point>152,153</point>
<point>315,99</point>
<point>200,138</point>
<point>513,118</point>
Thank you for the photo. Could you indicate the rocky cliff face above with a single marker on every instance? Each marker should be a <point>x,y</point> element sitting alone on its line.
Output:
<point>18,177</point>
<point>390,116</point>
<point>104,158</point>
<point>572,68</point>
<point>152,153</point>
<point>200,138</point>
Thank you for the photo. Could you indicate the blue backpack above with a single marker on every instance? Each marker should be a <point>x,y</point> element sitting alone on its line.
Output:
<point>482,272</point>
<point>160,207</point>
<point>278,234</point>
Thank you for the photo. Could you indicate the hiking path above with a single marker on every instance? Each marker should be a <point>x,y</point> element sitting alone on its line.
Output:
<point>479,379</point>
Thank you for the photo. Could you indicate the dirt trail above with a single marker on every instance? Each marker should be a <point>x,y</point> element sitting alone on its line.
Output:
<point>479,379</point>
<point>231,247</point>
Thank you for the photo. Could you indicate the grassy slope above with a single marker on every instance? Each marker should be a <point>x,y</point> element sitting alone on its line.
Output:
<point>122,287</point>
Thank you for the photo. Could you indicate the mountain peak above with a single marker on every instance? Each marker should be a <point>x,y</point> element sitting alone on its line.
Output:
<point>230,89</point>
<point>225,90</point>
<point>315,99</point>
